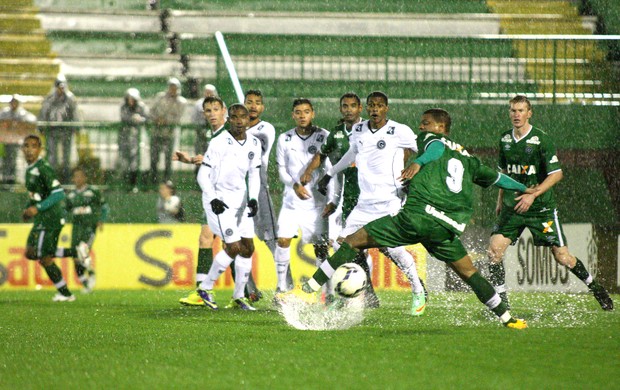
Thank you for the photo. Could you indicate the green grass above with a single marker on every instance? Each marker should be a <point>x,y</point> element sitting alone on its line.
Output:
<point>144,339</point>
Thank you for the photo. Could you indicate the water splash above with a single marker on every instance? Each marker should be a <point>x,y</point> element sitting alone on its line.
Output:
<point>304,315</point>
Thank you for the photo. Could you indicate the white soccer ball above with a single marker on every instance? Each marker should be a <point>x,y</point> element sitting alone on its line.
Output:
<point>349,280</point>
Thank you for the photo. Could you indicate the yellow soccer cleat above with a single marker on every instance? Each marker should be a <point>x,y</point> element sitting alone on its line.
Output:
<point>193,299</point>
<point>516,323</point>
<point>418,304</point>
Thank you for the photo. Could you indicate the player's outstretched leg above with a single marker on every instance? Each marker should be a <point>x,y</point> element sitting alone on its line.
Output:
<point>403,259</point>
<point>599,292</point>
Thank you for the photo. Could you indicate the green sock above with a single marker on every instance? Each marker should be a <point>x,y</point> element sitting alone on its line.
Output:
<point>205,259</point>
<point>580,271</point>
<point>55,275</point>
<point>497,274</point>
<point>486,293</point>
<point>343,255</point>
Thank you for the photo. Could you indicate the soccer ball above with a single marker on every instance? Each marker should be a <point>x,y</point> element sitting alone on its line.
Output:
<point>349,280</point>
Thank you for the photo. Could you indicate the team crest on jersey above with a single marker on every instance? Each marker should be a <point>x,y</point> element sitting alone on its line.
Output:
<point>251,155</point>
<point>507,138</point>
<point>209,133</point>
<point>534,140</point>
<point>391,130</point>
<point>312,149</point>
<point>228,232</point>
<point>35,172</point>
<point>554,159</point>
<point>381,144</point>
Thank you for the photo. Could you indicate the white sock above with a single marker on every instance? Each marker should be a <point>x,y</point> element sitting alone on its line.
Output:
<point>60,252</point>
<point>369,261</point>
<point>243,267</point>
<point>282,260</point>
<point>336,245</point>
<point>220,263</point>
<point>405,262</point>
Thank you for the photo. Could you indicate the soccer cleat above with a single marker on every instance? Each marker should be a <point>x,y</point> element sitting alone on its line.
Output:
<point>208,298</point>
<point>83,252</point>
<point>296,294</point>
<point>329,298</point>
<point>515,323</point>
<point>240,303</point>
<point>425,290</point>
<point>63,298</point>
<point>371,300</point>
<point>418,304</point>
<point>602,297</point>
<point>504,297</point>
<point>193,299</point>
<point>255,296</point>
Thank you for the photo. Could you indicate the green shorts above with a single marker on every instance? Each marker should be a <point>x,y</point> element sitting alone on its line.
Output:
<point>545,227</point>
<point>84,233</point>
<point>43,241</point>
<point>408,228</point>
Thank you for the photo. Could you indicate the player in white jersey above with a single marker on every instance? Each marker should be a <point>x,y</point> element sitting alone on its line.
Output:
<point>232,157</point>
<point>379,147</point>
<point>303,206</point>
<point>265,222</point>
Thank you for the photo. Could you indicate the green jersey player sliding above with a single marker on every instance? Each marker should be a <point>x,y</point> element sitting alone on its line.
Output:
<point>435,214</point>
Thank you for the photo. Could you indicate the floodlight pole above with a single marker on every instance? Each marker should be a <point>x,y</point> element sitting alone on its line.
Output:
<point>230,66</point>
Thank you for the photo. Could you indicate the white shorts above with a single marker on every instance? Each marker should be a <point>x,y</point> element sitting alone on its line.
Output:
<point>265,221</point>
<point>313,226</point>
<point>365,213</point>
<point>231,225</point>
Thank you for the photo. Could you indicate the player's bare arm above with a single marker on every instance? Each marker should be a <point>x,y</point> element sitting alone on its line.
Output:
<point>526,200</point>
<point>410,171</point>
<point>316,161</point>
<point>185,158</point>
<point>328,210</point>
<point>301,191</point>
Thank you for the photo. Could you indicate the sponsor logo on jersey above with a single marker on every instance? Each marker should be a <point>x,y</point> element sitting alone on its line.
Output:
<point>312,149</point>
<point>554,159</point>
<point>547,227</point>
<point>83,210</point>
<point>391,130</point>
<point>507,138</point>
<point>534,140</point>
<point>287,138</point>
<point>320,138</point>
<point>442,216</point>
<point>251,155</point>
<point>228,232</point>
<point>359,127</point>
<point>521,169</point>
<point>454,146</point>
<point>381,144</point>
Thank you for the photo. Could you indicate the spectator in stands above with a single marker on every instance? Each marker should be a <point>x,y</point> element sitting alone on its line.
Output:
<point>169,206</point>
<point>166,115</point>
<point>8,117</point>
<point>134,114</point>
<point>59,106</point>
<point>198,119</point>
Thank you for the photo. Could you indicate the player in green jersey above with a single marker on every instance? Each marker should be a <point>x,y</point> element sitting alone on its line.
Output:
<point>89,211</point>
<point>45,206</point>
<point>435,214</point>
<point>528,156</point>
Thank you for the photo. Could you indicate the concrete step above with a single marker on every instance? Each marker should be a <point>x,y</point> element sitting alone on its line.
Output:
<point>19,23</point>
<point>22,45</point>
<point>29,65</point>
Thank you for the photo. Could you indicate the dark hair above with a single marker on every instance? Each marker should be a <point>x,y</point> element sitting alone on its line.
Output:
<point>238,106</point>
<point>256,92</point>
<point>212,99</point>
<point>300,101</point>
<point>521,99</point>
<point>350,95</point>
<point>377,94</point>
<point>440,115</point>
<point>79,169</point>
<point>34,137</point>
